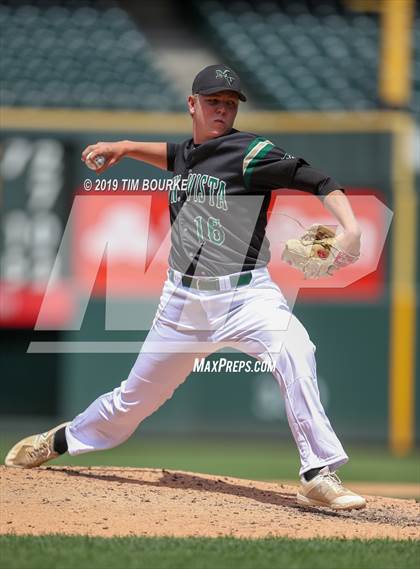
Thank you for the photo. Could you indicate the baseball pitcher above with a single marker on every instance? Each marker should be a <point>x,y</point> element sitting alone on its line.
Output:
<point>218,290</point>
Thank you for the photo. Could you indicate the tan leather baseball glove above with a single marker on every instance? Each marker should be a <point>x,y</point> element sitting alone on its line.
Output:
<point>316,253</point>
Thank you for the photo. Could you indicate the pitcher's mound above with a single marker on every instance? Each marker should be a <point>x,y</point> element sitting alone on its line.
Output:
<point>148,502</point>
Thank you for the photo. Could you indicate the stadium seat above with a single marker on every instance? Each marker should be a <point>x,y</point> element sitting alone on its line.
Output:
<point>318,54</point>
<point>78,54</point>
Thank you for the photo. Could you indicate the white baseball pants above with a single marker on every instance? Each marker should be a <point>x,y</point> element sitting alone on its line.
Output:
<point>190,323</point>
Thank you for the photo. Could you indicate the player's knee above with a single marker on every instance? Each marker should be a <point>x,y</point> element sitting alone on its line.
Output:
<point>307,353</point>
<point>144,402</point>
<point>296,360</point>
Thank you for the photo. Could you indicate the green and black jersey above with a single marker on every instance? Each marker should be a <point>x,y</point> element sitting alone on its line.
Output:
<point>220,197</point>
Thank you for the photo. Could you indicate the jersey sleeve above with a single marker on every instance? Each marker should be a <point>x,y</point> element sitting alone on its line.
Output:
<point>171,151</point>
<point>267,167</point>
<point>313,181</point>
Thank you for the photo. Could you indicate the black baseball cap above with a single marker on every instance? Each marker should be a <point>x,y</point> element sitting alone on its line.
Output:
<point>215,78</point>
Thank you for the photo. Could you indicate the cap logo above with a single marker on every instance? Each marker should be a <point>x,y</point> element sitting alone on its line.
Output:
<point>225,75</point>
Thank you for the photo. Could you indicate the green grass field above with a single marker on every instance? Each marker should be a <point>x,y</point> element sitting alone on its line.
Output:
<point>58,552</point>
<point>257,460</point>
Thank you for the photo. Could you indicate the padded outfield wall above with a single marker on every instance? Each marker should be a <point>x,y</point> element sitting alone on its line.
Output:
<point>365,333</point>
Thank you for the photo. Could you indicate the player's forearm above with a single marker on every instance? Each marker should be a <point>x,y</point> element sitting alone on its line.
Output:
<point>309,179</point>
<point>154,153</point>
<point>337,203</point>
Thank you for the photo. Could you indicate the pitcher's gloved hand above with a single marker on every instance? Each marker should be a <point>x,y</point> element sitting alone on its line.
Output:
<point>318,252</point>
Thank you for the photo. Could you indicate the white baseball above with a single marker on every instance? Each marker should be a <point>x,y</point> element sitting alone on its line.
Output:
<point>98,162</point>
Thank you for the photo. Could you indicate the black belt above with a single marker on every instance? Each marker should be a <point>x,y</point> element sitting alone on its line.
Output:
<point>212,283</point>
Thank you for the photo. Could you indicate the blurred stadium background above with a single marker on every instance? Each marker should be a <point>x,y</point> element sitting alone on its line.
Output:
<point>335,81</point>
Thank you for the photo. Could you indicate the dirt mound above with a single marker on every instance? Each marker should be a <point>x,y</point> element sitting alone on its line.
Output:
<point>131,501</point>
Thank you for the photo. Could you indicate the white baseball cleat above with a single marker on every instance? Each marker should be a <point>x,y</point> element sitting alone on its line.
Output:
<point>326,489</point>
<point>34,450</point>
